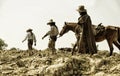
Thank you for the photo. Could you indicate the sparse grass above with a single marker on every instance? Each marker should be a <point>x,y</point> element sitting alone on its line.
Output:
<point>60,64</point>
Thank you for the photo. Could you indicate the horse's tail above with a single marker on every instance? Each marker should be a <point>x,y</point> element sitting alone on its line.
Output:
<point>119,34</point>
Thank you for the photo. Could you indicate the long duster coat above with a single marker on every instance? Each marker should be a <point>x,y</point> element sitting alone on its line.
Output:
<point>87,42</point>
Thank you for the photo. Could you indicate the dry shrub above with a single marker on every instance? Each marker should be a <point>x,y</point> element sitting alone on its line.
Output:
<point>104,62</point>
<point>20,63</point>
<point>103,53</point>
<point>5,58</point>
<point>96,56</point>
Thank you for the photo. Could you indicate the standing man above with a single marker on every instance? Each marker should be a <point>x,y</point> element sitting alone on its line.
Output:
<point>30,37</point>
<point>53,35</point>
<point>87,41</point>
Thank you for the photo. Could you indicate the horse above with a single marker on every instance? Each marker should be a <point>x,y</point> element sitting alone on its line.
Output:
<point>110,33</point>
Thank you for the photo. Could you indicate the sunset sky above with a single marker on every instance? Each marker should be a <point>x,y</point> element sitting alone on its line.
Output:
<point>16,16</point>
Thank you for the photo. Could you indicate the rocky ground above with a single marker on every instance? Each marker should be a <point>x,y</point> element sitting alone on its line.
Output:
<point>43,63</point>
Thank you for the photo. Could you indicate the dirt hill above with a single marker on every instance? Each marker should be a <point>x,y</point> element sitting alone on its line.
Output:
<point>43,63</point>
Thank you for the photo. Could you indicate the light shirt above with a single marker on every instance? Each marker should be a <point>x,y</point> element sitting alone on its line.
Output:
<point>30,36</point>
<point>53,31</point>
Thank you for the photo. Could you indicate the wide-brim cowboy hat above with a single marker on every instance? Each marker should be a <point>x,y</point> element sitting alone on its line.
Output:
<point>81,9</point>
<point>51,22</point>
<point>28,30</point>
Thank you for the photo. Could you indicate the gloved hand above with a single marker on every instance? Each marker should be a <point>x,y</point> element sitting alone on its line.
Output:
<point>22,41</point>
<point>35,44</point>
<point>42,38</point>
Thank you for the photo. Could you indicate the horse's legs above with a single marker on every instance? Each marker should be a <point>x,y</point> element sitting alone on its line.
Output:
<point>73,50</point>
<point>117,44</point>
<point>110,46</point>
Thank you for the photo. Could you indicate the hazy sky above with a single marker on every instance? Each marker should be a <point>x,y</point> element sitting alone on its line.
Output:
<point>16,16</point>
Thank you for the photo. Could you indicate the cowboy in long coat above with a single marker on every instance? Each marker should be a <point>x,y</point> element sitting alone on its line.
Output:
<point>87,42</point>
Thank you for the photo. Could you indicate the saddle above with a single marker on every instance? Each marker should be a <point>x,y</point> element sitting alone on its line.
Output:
<point>100,29</point>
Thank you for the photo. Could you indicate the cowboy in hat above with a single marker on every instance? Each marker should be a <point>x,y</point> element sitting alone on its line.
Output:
<point>81,9</point>
<point>29,30</point>
<point>51,22</point>
<point>87,41</point>
<point>30,37</point>
<point>52,34</point>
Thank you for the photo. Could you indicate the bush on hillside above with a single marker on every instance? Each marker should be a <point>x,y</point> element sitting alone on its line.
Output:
<point>3,45</point>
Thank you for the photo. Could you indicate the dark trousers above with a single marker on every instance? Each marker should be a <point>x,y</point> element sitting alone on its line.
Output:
<point>30,43</point>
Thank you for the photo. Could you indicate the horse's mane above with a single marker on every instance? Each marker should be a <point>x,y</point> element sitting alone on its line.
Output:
<point>71,23</point>
<point>75,23</point>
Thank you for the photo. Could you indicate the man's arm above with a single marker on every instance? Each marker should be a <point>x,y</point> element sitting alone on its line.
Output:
<point>46,34</point>
<point>34,39</point>
<point>25,38</point>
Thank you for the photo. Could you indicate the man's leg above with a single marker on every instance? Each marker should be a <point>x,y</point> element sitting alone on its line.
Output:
<point>30,43</point>
<point>49,44</point>
<point>53,47</point>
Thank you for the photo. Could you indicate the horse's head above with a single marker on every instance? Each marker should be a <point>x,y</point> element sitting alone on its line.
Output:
<point>65,29</point>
